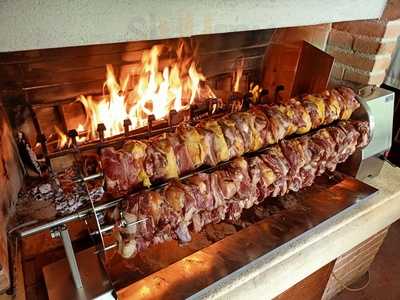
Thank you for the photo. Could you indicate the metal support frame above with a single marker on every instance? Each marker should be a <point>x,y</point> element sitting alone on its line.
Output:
<point>62,232</point>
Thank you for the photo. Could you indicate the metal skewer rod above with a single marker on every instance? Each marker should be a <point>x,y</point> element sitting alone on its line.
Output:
<point>109,227</point>
<point>86,212</point>
<point>70,218</point>
<point>139,133</point>
<point>89,178</point>
<point>80,215</point>
<point>103,229</point>
<point>99,228</point>
<point>107,248</point>
<point>61,231</point>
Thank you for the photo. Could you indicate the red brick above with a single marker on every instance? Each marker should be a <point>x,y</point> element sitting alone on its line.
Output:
<point>364,78</point>
<point>357,60</point>
<point>373,46</point>
<point>337,71</point>
<point>315,34</point>
<point>367,27</point>
<point>340,39</point>
<point>333,82</point>
<point>351,59</point>
<point>373,28</point>
<point>392,10</point>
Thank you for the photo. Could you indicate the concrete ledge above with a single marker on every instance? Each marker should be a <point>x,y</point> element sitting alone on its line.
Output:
<point>41,24</point>
<point>273,273</point>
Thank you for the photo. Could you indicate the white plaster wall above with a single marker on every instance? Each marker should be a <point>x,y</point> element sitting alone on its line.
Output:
<point>36,24</point>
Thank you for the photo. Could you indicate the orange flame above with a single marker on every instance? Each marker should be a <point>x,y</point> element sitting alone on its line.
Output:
<point>238,74</point>
<point>156,91</point>
<point>62,138</point>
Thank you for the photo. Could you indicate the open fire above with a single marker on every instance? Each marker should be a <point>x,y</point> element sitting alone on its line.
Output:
<point>150,89</point>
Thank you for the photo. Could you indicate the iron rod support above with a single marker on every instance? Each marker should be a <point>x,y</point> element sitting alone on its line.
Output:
<point>62,232</point>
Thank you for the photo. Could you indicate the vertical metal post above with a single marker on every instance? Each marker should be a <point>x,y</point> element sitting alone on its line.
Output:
<point>62,231</point>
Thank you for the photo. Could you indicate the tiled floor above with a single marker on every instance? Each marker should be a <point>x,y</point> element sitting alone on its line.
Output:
<point>384,273</point>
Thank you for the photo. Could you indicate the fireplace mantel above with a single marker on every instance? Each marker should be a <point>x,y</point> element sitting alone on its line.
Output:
<point>43,24</point>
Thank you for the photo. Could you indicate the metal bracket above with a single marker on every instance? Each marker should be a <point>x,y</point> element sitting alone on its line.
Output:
<point>62,232</point>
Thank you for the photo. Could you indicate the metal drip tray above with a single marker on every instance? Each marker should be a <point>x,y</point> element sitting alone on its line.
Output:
<point>60,285</point>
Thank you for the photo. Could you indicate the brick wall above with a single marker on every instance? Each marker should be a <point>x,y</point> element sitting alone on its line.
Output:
<point>10,183</point>
<point>316,35</point>
<point>352,265</point>
<point>363,49</point>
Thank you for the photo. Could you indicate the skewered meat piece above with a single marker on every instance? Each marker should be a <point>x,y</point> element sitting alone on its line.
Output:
<point>161,162</point>
<point>295,154</point>
<point>194,143</point>
<point>315,107</point>
<point>332,106</point>
<point>276,161</point>
<point>200,187</point>
<point>323,149</point>
<point>115,173</point>
<point>263,126</point>
<point>184,161</point>
<point>262,176</point>
<point>246,191</point>
<point>223,194</point>
<point>351,140</point>
<point>144,206</point>
<point>299,115</point>
<point>245,122</point>
<point>308,171</point>
<point>124,169</point>
<point>280,123</point>
<point>224,185</point>
<point>233,137</point>
<point>215,145</point>
<point>212,141</point>
<point>347,98</point>
<point>363,129</point>
<point>339,137</point>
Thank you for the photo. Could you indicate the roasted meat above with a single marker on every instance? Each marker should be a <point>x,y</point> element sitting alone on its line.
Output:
<point>216,148</point>
<point>315,106</point>
<point>212,141</point>
<point>204,198</point>
<point>233,137</point>
<point>160,162</point>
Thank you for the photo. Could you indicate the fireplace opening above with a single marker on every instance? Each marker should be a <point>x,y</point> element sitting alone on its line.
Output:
<point>65,105</point>
<point>82,114</point>
<point>87,94</point>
